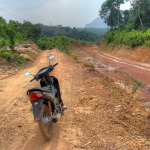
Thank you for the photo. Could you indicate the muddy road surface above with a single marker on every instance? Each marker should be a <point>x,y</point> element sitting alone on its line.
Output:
<point>100,116</point>
<point>139,71</point>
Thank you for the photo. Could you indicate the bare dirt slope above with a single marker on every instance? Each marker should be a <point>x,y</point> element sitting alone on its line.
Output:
<point>100,116</point>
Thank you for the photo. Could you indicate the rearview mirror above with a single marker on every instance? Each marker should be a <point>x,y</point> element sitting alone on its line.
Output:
<point>27,74</point>
<point>51,57</point>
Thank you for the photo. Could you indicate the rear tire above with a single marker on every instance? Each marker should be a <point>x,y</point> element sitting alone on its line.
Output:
<point>46,127</point>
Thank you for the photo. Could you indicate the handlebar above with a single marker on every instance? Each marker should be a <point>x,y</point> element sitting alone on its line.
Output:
<point>32,79</point>
<point>49,68</point>
<point>55,65</point>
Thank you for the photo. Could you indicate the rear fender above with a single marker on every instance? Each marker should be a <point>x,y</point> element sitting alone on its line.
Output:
<point>37,109</point>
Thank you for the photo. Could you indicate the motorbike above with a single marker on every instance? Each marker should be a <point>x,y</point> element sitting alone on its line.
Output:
<point>46,100</point>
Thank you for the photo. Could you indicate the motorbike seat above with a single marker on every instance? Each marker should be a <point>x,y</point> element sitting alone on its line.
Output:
<point>43,89</point>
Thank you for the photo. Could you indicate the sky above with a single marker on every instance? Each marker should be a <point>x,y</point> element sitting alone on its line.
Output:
<point>73,13</point>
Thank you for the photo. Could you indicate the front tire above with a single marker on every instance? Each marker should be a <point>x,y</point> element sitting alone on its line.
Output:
<point>46,126</point>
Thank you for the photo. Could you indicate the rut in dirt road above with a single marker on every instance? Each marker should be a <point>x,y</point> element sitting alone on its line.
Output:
<point>99,116</point>
<point>140,71</point>
<point>124,72</point>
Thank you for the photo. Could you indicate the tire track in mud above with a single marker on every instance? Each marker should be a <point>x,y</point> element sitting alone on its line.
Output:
<point>138,70</point>
<point>139,66</point>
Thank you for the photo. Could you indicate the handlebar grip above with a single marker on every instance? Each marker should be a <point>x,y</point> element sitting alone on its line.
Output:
<point>32,79</point>
<point>55,65</point>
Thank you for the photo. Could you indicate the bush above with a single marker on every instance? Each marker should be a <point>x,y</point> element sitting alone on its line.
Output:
<point>12,57</point>
<point>61,42</point>
<point>2,42</point>
<point>133,38</point>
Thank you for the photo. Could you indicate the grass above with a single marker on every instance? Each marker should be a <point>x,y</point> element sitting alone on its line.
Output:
<point>142,118</point>
<point>136,85</point>
<point>72,54</point>
<point>104,79</point>
<point>75,57</point>
<point>90,66</point>
<point>117,94</point>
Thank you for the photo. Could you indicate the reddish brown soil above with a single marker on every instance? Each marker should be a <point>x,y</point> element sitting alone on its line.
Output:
<point>137,54</point>
<point>100,115</point>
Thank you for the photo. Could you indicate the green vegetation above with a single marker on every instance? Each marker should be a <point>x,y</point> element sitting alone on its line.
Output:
<point>104,79</point>
<point>132,38</point>
<point>14,32</point>
<point>117,94</point>
<point>135,86</point>
<point>74,33</point>
<point>61,42</point>
<point>12,57</point>
<point>99,31</point>
<point>46,37</point>
<point>71,53</point>
<point>90,66</point>
<point>129,27</point>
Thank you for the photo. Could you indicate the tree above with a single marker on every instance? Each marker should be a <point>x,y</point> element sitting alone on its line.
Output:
<point>141,10</point>
<point>11,33</point>
<point>126,16</point>
<point>31,31</point>
<point>110,12</point>
<point>2,27</point>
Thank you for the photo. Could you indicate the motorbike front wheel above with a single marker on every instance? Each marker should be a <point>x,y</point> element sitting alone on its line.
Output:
<point>45,123</point>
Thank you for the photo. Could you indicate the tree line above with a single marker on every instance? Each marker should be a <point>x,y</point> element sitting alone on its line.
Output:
<point>137,17</point>
<point>46,37</point>
<point>75,33</point>
<point>13,32</point>
<point>130,27</point>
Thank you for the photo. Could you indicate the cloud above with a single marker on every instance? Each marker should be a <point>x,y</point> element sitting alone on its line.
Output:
<point>70,13</point>
<point>65,12</point>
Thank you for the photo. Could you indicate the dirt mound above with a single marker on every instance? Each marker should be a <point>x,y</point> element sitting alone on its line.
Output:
<point>28,51</point>
<point>138,54</point>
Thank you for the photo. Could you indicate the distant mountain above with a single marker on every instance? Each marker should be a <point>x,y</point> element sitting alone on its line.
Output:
<point>97,23</point>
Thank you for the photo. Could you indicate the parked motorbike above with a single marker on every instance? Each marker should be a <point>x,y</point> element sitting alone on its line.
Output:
<point>46,101</point>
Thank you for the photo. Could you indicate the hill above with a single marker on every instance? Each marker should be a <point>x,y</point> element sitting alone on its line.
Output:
<point>97,23</point>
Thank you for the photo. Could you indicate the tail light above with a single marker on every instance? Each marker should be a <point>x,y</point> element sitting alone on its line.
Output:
<point>34,96</point>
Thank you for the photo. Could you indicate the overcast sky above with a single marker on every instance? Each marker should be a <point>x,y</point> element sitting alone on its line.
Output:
<point>73,13</point>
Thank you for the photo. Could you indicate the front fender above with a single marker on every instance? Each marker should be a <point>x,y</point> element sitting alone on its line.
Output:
<point>37,109</point>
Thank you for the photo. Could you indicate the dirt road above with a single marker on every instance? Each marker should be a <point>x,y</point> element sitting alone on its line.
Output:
<point>140,71</point>
<point>100,116</point>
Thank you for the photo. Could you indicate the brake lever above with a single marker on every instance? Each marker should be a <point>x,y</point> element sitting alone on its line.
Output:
<point>32,79</point>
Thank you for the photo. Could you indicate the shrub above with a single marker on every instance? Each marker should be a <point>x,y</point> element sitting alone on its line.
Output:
<point>61,42</point>
<point>2,42</point>
<point>133,38</point>
<point>12,57</point>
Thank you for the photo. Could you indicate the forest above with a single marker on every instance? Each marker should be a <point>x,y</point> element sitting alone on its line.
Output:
<point>130,27</point>
<point>13,32</point>
<point>46,37</point>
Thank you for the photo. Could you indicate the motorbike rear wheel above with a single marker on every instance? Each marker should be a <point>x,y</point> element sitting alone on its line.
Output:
<point>45,124</point>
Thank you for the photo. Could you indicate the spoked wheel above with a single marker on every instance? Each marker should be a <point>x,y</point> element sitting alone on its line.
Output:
<point>45,123</point>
